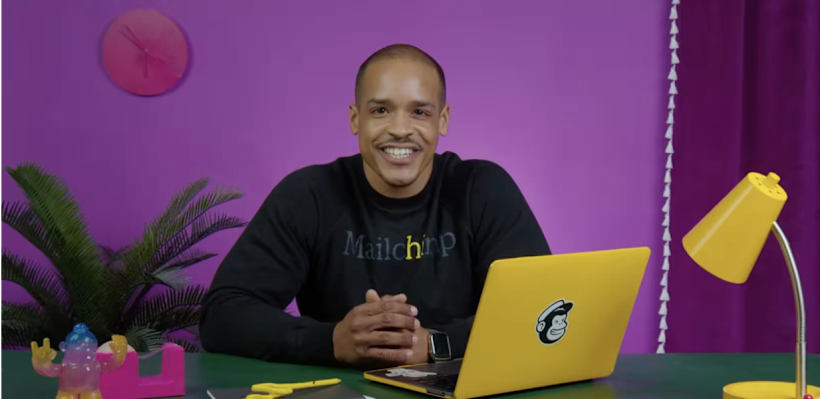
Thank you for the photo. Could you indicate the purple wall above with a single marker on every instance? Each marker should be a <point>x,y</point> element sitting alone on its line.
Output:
<point>568,96</point>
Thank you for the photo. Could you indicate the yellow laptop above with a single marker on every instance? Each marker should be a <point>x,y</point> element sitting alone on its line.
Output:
<point>541,321</point>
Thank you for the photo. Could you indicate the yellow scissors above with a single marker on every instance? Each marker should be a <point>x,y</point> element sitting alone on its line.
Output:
<point>276,390</point>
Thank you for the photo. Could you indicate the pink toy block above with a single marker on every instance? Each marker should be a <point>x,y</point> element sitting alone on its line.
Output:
<point>125,382</point>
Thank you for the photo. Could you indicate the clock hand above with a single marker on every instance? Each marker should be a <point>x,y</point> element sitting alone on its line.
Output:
<point>136,41</point>
<point>132,40</point>
<point>135,37</point>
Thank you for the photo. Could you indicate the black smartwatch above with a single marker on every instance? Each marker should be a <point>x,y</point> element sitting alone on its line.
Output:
<point>439,346</point>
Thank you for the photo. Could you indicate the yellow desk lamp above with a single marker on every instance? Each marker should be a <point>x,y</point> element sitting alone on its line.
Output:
<point>727,242</point>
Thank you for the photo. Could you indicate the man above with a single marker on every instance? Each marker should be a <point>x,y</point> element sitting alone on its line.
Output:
<point>397,220</point>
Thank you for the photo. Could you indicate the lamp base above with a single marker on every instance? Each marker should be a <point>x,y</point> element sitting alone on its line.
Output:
<point>766,390</point>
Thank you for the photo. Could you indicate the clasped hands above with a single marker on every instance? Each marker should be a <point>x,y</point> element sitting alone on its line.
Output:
<point>383,329</point>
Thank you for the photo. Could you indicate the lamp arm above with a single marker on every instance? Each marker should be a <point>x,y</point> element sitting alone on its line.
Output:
<point>800,309</point>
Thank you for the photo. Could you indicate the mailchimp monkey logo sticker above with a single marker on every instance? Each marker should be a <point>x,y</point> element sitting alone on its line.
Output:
<point>552,323</point>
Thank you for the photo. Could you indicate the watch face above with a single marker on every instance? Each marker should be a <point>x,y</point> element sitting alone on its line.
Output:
<point>440,345</point>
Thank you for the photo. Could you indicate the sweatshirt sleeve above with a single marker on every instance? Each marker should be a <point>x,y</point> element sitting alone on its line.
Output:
<point>243,313</point>
<point>504,227</point>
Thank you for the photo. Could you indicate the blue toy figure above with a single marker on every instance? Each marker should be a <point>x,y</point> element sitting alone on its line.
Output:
<point>79,371</point>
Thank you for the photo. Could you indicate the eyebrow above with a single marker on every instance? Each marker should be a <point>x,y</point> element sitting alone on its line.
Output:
<point>416,103</point>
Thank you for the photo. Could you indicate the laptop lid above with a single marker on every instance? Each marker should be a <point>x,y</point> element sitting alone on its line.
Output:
<point>550,320</point>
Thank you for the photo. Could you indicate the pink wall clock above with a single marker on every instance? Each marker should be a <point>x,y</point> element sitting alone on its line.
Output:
<point>145,52</point>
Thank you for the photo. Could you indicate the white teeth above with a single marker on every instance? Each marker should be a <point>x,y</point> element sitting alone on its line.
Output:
<point>398,152</point>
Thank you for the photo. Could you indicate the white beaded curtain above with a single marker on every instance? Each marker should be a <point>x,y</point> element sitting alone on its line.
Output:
<point>667,178</point>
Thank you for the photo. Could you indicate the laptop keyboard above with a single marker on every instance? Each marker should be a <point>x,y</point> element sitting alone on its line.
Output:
<point>445,382</point>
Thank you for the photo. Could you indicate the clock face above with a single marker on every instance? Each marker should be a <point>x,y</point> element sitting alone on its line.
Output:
<point>145,52</point>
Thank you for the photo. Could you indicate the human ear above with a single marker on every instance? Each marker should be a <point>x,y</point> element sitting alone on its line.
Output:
<point>354,119</point>
<point>444,120</point>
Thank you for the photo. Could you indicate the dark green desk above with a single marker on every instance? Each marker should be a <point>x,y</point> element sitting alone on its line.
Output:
<point>668,376</point>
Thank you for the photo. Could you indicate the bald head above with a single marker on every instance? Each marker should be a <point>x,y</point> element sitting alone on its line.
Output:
<point>402,51</point>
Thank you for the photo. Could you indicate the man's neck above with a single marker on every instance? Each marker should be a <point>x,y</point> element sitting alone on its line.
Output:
<point>389,191</point>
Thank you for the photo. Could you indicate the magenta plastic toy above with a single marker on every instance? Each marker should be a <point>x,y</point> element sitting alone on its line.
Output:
<point>80,370</point>
<point>125,382</point>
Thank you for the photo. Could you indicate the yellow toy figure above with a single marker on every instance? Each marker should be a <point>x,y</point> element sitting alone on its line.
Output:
<point>79,371</point>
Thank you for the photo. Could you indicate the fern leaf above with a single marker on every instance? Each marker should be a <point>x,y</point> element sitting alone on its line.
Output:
<point>121,296</point>
<point>73,252</point>
<point>173,248</point>
<point>145,339</point>
<point>173,278</point>
<point>170,231</point>
<point>200,230</point>
<point>50,200</point>
<point>106,288</point>
<point>207,202</point>
<point>31,318</point>
<point>180,200</point>
<point>22,314</point>
<point>138,257</point>
<point>24,221</point>
<point>179,319</point>
<point>119,283</point>
<point>111,257</point>
<point>130,290</point>
<point>25,312</point>
<point>20,336</point>
<point>121,291</point>
<point>164,227</point>
<point>176,219</point>
<point>47,289</point>
<point>167,238</point>
<point>188,346</point>
<point>186,259</point>
<point>157,312</point>
<point>210,224</point>
<point>43,285</point>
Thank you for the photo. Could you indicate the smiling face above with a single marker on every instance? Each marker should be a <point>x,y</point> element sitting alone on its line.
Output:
<point>398,116</point>
<point>552,322</point>
<point>558,327</point>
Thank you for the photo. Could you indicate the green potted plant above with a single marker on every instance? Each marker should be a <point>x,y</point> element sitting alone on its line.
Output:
<point>140,291</point>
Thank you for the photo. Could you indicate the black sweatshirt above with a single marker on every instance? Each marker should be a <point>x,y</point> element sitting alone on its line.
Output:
<point>325,236</point>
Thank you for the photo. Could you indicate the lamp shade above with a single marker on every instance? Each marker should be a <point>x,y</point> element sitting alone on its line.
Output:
<point>727,242</point>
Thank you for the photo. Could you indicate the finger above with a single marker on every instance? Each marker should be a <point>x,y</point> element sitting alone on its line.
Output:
<point>398,356</point>
<point>391,321</point>
<point>46,343</point>
<point>34,346</point>
<point>398,298</point>
<point>371,296</point>
<point>381,338</point>
<point>52,355</point>
<point>375,308</point>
